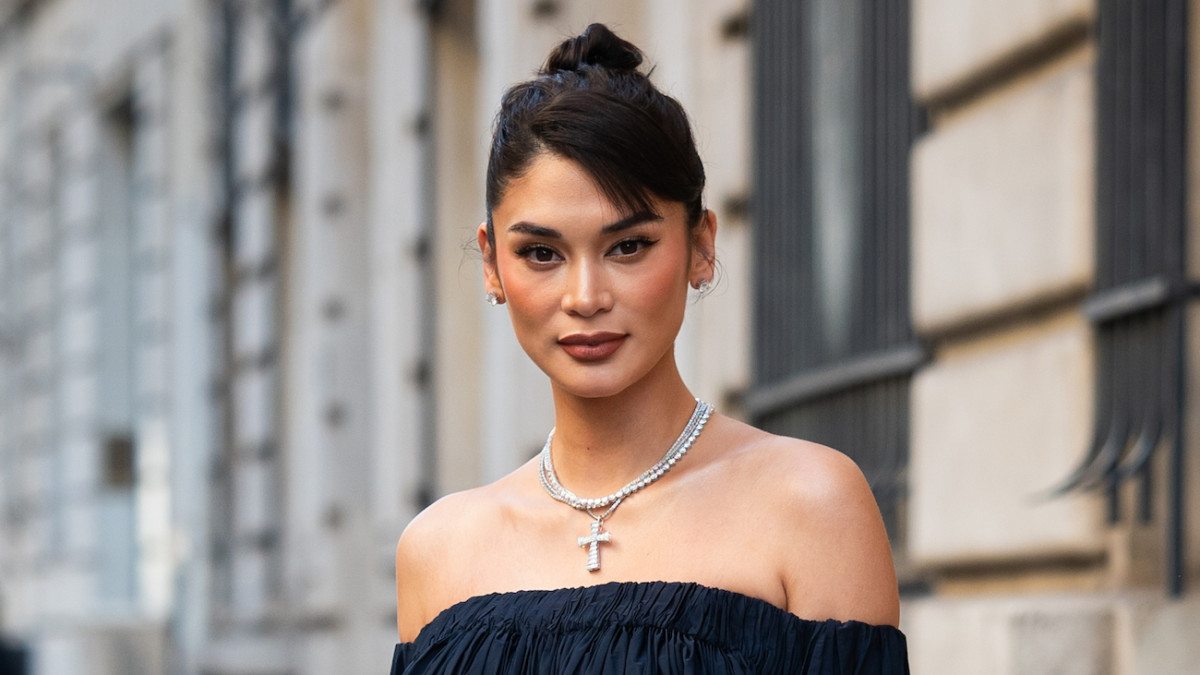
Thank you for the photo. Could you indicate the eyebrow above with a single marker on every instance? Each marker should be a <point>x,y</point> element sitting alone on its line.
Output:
<point>625,223</point>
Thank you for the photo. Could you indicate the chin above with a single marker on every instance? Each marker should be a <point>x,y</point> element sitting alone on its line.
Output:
<point>596,380</point>
<point>599,380</point>
<point>590,387</point>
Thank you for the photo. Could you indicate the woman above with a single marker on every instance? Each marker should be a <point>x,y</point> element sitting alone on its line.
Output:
<point>730,550</point>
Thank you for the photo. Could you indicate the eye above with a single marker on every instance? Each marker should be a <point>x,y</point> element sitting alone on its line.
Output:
<point>633,246</point>
<point>538,254</point>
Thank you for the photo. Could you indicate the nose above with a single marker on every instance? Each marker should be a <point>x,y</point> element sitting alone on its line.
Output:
<point>587,292</point>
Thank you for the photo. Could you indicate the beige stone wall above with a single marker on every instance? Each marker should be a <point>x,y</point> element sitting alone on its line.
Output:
<point>1053,633</point>
<point>1002,199</point>
<point>1002,222</point>
<point>1033,635</point>
<point>996,422</point>
<point>1002,228</point>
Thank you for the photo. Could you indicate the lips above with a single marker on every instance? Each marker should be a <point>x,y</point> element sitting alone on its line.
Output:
<point>592,346</point>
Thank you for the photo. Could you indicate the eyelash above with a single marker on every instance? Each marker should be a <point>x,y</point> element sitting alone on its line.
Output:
<point>525,251</point>
<point>643,242</point>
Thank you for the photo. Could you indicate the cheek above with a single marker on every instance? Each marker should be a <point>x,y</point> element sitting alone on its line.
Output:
<point>660,287</point>
<point>526,292</point>
<point>531,301</point>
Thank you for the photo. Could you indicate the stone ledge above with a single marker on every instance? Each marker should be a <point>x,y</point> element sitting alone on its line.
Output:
<point>1062,634</point>
<point>1117,633</point>
<point>956,40</point>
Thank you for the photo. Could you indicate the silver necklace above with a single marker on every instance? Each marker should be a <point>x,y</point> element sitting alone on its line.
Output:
<point>610,503</point>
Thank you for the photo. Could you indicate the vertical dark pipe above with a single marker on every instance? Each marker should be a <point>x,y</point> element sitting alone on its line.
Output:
<point>1176,564</point>
<point>222,520</point>
<point>1176,109</point>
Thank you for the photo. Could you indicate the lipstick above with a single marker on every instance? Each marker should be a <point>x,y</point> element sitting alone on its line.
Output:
<point>592,346</point>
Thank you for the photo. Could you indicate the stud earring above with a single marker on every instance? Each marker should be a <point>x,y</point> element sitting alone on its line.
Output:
<point>493,298</point>
<point>704,286</point>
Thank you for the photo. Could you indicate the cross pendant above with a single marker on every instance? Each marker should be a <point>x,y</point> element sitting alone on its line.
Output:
<point>592,541</point>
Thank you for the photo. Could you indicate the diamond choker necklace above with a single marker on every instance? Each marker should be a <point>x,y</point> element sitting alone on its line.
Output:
<point>610,503</point>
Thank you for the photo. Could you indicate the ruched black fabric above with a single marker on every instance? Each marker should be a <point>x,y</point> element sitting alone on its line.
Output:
<point>647,627</point>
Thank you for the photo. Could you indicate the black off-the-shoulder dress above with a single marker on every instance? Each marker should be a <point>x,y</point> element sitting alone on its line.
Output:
<point>643,627</point>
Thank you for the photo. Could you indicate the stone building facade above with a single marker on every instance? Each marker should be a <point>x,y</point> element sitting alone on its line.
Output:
<point>1057,151</point>
<point>243,339</point>
<point>243,344</point>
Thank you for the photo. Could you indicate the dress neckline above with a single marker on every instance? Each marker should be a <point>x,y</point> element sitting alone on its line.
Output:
<point>592,592</point>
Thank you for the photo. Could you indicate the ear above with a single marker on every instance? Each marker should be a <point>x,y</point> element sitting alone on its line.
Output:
<point>704,249</point>
<point>491,277</point>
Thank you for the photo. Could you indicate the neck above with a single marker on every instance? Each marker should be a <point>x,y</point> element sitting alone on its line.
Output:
<point>600,444</point>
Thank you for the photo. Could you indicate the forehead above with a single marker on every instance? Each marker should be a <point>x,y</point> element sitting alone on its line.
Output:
<point>558,192</point>
<point>552,185</point>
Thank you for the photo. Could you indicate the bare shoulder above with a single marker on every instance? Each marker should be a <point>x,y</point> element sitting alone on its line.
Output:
<point>835,557</point>
<point>818,479</point>
<point>802,472</point>
<point>426,546</point>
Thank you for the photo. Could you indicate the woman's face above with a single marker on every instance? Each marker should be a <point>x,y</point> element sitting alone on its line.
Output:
<point>596,296</point>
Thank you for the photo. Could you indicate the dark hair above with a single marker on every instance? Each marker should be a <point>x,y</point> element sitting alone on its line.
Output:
<point>590,104</point>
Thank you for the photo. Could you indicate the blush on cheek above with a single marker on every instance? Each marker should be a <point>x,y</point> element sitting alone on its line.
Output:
<point>527,293</point>
<point>532,302</point>
<point>660,284</point>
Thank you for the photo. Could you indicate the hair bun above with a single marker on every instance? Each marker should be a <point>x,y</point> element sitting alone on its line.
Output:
<point>596,46</point>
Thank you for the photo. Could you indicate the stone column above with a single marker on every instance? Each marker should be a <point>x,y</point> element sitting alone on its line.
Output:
<point>402,307</point>
<point>334,577</point>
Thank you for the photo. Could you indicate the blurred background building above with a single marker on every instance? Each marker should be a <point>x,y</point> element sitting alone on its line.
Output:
<point>243,337</point>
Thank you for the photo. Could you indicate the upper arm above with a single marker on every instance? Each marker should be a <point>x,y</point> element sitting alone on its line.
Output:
<point>421,547</point>
<point>410,567</point>
<point>840,566</point>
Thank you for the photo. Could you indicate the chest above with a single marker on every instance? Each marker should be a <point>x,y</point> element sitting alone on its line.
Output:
<point>714,540</point>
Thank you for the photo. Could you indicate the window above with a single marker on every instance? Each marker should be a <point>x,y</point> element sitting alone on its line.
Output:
<point>1138,304</point>
<point>255,98</point>
<point>117,442</point>
<point>834,123</point>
